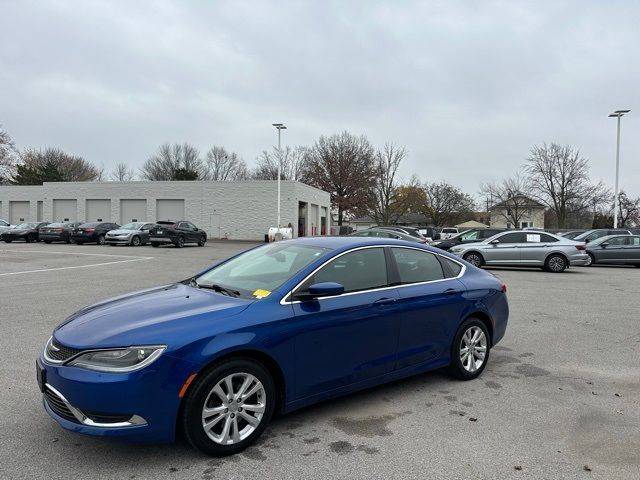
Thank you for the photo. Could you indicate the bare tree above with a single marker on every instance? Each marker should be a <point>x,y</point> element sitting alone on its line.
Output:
<point>628,210</point>
<point>559,178</point>
<point>221,165</point>
<point>293,167</point>
<point>122,173</point>
<point>60,165</point>
<point>173,162</point>
<point>387,205</point>
<point>8,157</point>
<point>343,165</point>
<point>508,198</point>
<point>446,204</point>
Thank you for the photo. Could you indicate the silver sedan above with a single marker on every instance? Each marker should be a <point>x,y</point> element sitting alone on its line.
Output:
<point>134,234</point>
<point>525,249</point>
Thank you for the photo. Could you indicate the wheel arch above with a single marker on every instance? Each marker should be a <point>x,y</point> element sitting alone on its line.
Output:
<point>477,252</point>
<point>557,252</point>
<point>484,318</point>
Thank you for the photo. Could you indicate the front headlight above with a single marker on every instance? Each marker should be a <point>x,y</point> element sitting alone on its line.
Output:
<point>121,360</point>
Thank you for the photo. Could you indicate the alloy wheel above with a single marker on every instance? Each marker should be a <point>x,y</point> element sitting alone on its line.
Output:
<point>474,259</point>
<point>556,264</point>
<point>101,240</point>
<point>473,349</point>
<point>135,241</point>
<point>234,408</point>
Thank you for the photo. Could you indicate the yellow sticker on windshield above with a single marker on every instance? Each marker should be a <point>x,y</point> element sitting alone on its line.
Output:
<point>261,293</point>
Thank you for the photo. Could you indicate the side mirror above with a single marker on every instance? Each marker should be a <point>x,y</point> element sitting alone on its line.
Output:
<point>323,289</point>
<point>494,242</point>
<point>604,244</point>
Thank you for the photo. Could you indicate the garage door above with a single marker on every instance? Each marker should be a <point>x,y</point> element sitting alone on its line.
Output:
<point>18,212</point>
<point>169,209</point>
<point>65,210</point>
<point>98,210</point>
<point>133,211</point>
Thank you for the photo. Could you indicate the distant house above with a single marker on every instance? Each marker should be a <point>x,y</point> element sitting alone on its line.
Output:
<point>407,220</point>
<point>519,211</point>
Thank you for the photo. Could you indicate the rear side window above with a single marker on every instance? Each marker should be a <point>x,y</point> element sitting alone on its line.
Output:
<point>635,241</point>
<point>417,266</point>
<point>359,270</point>
<point>488,233</point>
<point>454,267</point>
<point>515,237</point>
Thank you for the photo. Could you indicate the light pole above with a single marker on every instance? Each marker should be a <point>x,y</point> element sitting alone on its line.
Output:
<point>280,127</point>
<point>618,114</point>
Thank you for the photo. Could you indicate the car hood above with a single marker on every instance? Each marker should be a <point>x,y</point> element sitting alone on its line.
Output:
<point>21,231</point>
<point>154,316</point>
<point>470,244</point>
<point>121,231</point>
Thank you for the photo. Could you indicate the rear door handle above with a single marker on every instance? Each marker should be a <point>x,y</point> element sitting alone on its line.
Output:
<point>384,301</point>
<point>451,291</point>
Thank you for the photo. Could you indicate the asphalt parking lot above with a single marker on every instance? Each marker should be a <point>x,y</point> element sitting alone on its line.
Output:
<point>560,397</point>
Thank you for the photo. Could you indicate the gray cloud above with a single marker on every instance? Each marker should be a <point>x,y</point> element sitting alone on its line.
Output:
<point>468,87</point>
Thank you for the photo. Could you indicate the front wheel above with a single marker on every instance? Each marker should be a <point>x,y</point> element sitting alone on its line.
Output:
<point>470,350</point>
<point>101,240</point>
<point>474,259</point>
<point>31,238</point>
<point>135,241</point>
<point>180,242</point>
<point>155,244</point>
<point>202,241</point>
<point>228,407</point>
<point>47,241</point>
<point>555,264</point>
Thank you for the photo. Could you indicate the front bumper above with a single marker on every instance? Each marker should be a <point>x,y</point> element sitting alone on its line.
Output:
<point>5,236</point>
<point>53,237</point>
<point>162,239</point>
<point>140,406</point>
<point>124,240</point>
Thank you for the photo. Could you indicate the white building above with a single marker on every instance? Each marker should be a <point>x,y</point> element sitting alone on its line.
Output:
<point>236,210</point>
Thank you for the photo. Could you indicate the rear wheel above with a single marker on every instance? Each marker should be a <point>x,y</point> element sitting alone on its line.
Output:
<point>229,407</point>
<point>555,263</point>
<point>135,241</point>
<point>79,243</point>
<point>180,242</point>
<point>31,238</point>
<point>8,241</point>
<point>470,350</point>
<point>101,240</point>
<point>47,241</point>
<point>155,244</point>
<point>474,259</point>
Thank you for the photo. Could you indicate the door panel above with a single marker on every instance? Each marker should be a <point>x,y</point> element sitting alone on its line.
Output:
<point>506,251</point>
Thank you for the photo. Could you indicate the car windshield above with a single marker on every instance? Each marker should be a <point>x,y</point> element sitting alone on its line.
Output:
<point>58,225</point>
<point>132,226</point>
<point>470,235</point>
<point>27,225</point>
<point>256,273</point>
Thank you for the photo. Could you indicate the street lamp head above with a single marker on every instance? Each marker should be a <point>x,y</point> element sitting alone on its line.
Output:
<point>619,113</point>
<point>279,126</point>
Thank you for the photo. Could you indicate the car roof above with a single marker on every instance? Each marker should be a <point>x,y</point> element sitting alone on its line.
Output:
<point>336,242</point>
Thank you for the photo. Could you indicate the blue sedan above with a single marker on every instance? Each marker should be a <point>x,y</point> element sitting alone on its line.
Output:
<point>275,328</point>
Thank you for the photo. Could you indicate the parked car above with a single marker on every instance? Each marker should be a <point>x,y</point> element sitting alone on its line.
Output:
<point>430,232</point>
<point>134,234</point>
<point>571,234</point>
<point>446,233</point>
<point>93,232</point>
<point>388,233</point>
<point>614,250</point>
<point>57,232</point>
<point>524,248</point>
<point>412,231</point>
<point>25,231</point>
<point>468,236</point>
<point>271,330</point>
<point>4,226</point>
<point>591,235</point>
<point>177,233</point>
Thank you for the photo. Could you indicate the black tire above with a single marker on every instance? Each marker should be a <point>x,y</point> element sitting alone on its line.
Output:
<point>555,263</point>
<point>8,241</point>
<point>79,243</point>
<point>31,238</point>
<point>191,419</point>
<point>456,368</point>
<point>47,241</point>
<point>202,241</point>
<point>135,241</point>
<point>68,240</point>
<point>155,244</point>
<point>180,242</point>
<point>101,240</point>
<point>592,260</point>
<point>474,258</point>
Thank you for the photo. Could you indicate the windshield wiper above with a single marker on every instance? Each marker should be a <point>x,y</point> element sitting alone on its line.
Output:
<point>217,288</point>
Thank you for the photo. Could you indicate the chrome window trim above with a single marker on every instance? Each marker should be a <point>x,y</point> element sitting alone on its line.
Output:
<point>134,421</point>
<point>284,301</point>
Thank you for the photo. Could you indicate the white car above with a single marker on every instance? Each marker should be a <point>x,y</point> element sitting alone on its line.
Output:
<point>4,226</point>
<point>448,233</point>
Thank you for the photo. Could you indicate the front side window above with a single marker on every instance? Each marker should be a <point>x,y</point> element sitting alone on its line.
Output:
<point>262,269</point>
<point>417,266</point>
<point>362,269</point>
<point>635,241</point>
<point>473,235</point>
<point>616,241</point>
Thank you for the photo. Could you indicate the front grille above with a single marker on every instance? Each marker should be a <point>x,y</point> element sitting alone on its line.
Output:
<point>58,406</point>
<point>59,352</point>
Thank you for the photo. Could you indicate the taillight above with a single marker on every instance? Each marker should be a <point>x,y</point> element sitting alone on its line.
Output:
<point>89,230</point>
<point>59,230</point>
<point>503,287</point>
<point>581,247</point>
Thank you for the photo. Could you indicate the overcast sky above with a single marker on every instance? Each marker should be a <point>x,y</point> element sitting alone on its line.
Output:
<point>467,87</point>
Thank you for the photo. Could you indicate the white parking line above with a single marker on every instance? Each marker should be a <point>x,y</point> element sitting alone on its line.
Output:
<point>129,259</point>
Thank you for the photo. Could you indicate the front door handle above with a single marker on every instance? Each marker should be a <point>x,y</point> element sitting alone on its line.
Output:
<point>384,301</point>
<point>451,291</point>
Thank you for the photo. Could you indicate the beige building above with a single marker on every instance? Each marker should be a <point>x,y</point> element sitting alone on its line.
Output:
<point>518,211</point>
